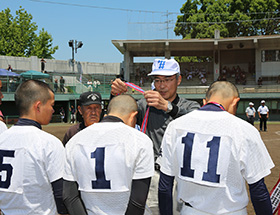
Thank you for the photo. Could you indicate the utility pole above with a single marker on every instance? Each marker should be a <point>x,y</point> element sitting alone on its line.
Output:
<point>75,45</point>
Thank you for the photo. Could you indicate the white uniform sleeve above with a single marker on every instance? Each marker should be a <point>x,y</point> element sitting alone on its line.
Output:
<point>145,162</point>
<point>255,159</point>
<point>68,175</point>
<point>55,159</point>
<point>166,161</point>
<point>3,127</point>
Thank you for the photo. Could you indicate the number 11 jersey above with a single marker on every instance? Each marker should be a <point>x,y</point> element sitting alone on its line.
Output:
<point>212,154</point>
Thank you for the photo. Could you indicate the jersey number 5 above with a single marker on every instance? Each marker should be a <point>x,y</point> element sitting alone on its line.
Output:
<point>100,182</point>
<point>6,167</point>
<point>214,146</point>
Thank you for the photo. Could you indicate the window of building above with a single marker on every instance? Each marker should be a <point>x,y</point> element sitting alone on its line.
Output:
<point>270,55</point>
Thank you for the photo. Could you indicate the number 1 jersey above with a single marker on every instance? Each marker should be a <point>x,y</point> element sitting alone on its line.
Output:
<point>103,159</point>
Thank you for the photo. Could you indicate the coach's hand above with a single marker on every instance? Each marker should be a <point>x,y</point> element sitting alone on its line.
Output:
<point>154,99</point>
<point>118,87</point>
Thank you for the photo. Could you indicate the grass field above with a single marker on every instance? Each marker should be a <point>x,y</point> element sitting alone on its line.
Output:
<point>271,139</point>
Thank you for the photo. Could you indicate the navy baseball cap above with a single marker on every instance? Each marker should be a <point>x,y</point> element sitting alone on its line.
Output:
<point>89,98</point>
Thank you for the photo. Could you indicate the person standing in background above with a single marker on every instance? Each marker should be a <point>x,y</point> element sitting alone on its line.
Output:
<point>90,109</point>
<point>43,62</point>
<point>263,112</point>
<point>62,82</point>
<point>251,113</point>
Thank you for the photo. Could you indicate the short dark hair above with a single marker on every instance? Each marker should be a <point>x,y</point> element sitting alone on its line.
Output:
<point>122,104</point>
<point>225,88</point>
<point>29,92</point>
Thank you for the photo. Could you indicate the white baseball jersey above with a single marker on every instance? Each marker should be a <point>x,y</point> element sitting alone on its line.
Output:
<point>103,159</point>
<point>3,127</point>
<point>30,160</point>
<point>211,154</point>
<point>250,111</point>
<point>263,109</point>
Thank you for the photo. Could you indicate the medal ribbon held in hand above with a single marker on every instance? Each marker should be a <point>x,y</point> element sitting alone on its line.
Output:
<point>275,196</point>
<point>145,120</point>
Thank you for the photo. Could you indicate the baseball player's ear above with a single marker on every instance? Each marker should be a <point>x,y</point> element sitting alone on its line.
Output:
<point>235,101</point>
<point>131,121</point>
<point>37,105</point>
<point>233,106</point>
<point>204,101</point>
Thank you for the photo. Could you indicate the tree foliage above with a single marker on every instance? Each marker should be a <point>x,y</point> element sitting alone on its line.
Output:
<point>233,18</point>
<point>18,36</point>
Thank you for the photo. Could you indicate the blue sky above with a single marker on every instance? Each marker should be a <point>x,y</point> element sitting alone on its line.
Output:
<point>96,26</point>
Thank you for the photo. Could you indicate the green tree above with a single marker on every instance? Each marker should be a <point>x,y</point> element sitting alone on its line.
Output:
<point>233,18</point>
<point>43,45</point>
<point>18,36</point>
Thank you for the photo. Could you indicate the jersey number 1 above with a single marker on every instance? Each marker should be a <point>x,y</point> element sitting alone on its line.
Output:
<point>6,167</point>
<point>214,146</point>
<point>100,182</point>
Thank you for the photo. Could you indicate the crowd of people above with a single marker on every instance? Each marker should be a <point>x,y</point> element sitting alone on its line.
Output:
<point>107,166</point>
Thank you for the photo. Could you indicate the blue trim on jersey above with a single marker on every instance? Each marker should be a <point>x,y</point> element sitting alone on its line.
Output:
<point>24,122</point>
<point>211,107</point>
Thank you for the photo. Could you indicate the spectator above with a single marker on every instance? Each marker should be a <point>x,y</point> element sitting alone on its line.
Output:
<point>62,82</point>
<point>96,84</point>
<point>62,114</point>
<point>9,68</point>
<point>203,81</point>
<point>55,85</point>
<point>72,114</point>
<point>43,62</point>
<point>90,109</point>
<point>89,84</point>
<point>260,81</point>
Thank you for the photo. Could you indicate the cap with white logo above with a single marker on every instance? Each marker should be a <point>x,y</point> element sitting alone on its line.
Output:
<point>89,98</point>
<point>166,67</point>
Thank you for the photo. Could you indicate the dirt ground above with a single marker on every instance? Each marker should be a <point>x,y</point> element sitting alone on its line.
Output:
<point>271,139</point>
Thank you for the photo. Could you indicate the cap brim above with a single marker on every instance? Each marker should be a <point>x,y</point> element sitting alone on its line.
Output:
<point>91,102</point>
<point>163,72</point>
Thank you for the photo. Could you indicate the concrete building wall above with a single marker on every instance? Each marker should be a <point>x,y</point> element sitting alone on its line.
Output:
<point>58,66</point>
<point>270,68</point>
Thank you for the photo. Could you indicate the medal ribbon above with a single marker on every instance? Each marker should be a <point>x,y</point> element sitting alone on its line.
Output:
<point>145,120</point>
<point>275,197</point>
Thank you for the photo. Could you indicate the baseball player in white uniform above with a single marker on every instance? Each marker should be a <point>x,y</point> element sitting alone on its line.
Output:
<point>263,112</point>
<point>250,113</point>
<point>211,153</point>
<point>110,163</point>
<point>31,160</point>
